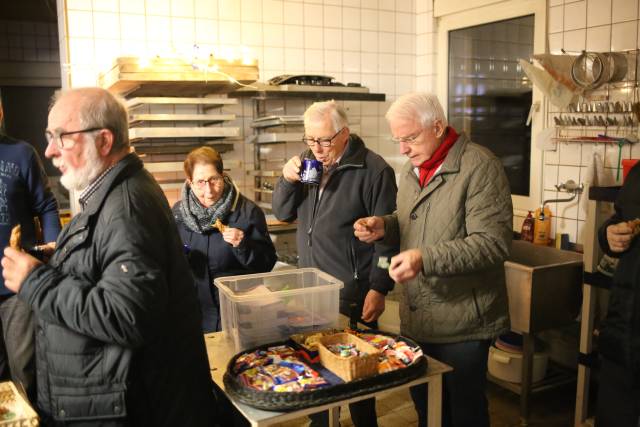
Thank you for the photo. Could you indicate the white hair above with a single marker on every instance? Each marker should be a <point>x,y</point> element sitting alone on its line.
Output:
<point>421,106</point>
<point>100,108</point>
<point>318,111</point>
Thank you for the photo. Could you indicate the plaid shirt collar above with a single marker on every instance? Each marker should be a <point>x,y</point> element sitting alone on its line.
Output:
<point>88,192</point>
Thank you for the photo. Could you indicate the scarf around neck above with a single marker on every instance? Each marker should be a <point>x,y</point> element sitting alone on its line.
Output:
<point>199,219</point>
<point>429,167</point>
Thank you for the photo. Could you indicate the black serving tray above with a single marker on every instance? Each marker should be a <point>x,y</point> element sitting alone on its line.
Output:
<point>289,401</point>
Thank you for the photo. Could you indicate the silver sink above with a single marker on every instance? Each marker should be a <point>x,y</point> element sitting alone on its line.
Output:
<point>544,286</point>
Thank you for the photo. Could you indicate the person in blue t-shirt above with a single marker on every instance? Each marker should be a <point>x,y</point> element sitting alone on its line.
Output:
<point>24,194</point>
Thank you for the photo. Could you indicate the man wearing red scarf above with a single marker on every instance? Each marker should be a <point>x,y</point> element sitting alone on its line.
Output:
<point>429,167</point>
<point>454,226</point>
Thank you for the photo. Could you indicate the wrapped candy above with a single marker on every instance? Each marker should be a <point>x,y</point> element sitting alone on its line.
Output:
<point>345,350</point>
<point>276,369</point>
<point>396,354</point>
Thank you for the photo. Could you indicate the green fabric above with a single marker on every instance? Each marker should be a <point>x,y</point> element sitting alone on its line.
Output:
<point>462,224</point>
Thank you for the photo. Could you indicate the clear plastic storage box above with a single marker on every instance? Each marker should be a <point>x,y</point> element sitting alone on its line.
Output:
<point>261,308</point>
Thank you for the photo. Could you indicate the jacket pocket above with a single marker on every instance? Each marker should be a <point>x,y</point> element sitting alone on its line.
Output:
<point>83,404</point>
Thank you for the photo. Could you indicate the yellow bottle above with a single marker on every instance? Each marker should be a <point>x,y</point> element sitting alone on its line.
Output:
<point>542,226</point>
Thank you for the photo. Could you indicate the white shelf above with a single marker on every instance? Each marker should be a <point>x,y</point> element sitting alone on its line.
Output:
<point>275,138</point>
<point>182,132</point>
<point>206,118</point>
<point>169,100</point>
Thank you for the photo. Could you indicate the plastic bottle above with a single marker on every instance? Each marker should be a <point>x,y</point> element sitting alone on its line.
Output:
<point>526,233</point>
<point>542,226</point>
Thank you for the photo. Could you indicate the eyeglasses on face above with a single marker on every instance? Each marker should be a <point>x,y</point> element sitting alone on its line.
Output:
<point>60,139</point>
<point>323,142</point>
<point>214,180</point>
<point>411,139</point>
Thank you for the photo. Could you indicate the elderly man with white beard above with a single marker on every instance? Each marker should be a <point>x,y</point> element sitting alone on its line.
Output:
<point>118,337</point>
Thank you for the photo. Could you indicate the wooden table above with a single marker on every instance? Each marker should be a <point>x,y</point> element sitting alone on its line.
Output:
<point>221,350</point>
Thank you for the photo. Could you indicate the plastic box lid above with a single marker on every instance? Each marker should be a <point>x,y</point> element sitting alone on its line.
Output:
<point>278,284</point>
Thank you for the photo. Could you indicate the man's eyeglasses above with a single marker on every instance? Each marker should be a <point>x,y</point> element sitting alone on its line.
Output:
<point>411,139</point>
<point>214,180</point>
<point>66,143</point>
<point>324,142</point>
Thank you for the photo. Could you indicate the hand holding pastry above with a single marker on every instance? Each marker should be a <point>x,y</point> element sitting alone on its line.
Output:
<point>406,265</point>
<point>619,236</point>
<point>219,225</point>
<point>16,266</point>
<point>369,229</point>
<point>233,236</point>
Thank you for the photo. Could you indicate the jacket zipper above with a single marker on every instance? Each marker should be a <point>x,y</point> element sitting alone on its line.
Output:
<point>316,202</point>
<point>354,261</point>
<point>475,303</point>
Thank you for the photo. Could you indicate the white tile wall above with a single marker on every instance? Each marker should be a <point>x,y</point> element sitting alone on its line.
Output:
<point>595,25</point>
<point>25,41</point>
<point>624,10</point>
<point>388,45</point>
<point>598,12</point>
<point>371,42</point>
<point>575,15</point>
<point>425,46</point>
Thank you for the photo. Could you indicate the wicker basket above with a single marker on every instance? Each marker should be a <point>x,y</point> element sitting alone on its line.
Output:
<point>352,367</point>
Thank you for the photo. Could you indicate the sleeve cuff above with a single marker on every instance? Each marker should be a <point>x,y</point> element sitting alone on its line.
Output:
<point>384,290</point>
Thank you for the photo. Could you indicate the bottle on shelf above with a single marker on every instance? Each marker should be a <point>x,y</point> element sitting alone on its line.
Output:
<point>542,226</point>
<point>526,233</point>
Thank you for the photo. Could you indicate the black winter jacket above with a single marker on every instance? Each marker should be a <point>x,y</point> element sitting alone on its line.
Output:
<point>619,338</point>
<point>211,257</point>
<point>118,337</point>
<point>362,185</point>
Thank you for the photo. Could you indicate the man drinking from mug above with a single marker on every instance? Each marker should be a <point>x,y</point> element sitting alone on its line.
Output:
<point>355,182</point>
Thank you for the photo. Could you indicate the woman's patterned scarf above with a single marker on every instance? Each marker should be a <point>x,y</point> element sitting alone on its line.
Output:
<point>199,219</point>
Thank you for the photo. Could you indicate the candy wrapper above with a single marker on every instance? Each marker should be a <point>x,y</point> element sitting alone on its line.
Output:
<point>276,369</point>
<point>395,354</point>
<point>345,350</point>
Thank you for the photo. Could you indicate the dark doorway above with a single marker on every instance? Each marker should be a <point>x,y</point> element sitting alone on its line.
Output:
<point>26,110</point>
<point>489,95</point>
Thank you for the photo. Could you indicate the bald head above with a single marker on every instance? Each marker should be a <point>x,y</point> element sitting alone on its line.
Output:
<point>98,108</point>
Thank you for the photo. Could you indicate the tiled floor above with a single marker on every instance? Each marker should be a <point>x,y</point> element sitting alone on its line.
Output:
<point>552,408</point>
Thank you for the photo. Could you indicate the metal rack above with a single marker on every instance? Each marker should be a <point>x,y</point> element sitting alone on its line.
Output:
<point>176,106</point>
<point>611,110</point>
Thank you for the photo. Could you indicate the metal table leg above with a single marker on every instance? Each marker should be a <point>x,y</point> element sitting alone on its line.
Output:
<point>334,417</point>
<point>527,371</point>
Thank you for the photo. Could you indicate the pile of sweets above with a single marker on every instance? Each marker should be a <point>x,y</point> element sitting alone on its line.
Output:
<point>311,342</point>
<point>276,369</point>
<point>394,354</point>
<point>345,350</point>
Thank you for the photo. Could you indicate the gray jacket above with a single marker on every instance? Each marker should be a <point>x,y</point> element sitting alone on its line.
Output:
<point>118,321</point>
<point>363,184</point>
<point>462,224</point>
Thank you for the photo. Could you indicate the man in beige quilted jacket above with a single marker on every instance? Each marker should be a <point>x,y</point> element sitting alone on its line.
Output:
<point>454,226</point>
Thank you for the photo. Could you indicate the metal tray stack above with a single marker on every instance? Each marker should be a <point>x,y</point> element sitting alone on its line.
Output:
<point>176,106</point>
<point>269,131</point>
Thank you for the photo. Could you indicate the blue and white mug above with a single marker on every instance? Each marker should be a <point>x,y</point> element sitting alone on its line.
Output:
<point>311,172</point>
